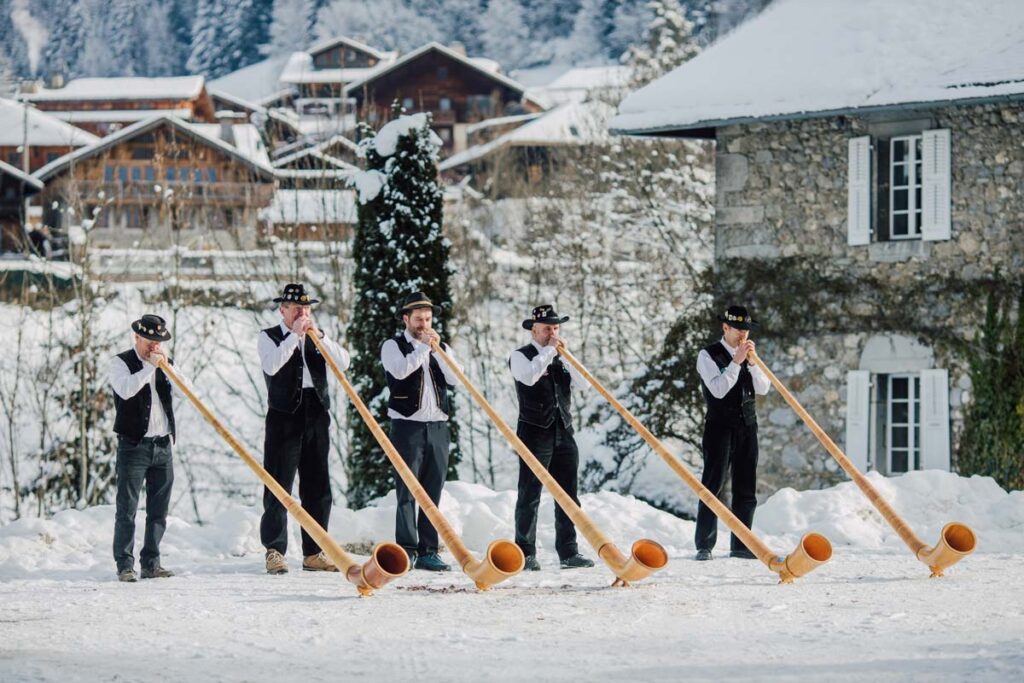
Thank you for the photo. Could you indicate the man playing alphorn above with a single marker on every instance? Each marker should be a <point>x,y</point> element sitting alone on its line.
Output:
<point>296,437</point>
<point>145,431</point>
<point>543,387</point>
<point>729,382</point>
<point>420,385</point>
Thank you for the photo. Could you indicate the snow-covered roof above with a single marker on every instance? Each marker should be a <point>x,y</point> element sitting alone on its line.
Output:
<point>257,83</point>
<point>501,121</point>
<point>802,58</point>
<point>44,130</point>
<point>124,88</point>
<point>117,115</point>
<point>311,207</point>
<point>57,165</point>
<point>17,173</point>
<point>315,153</point>
<point>247,139</point>
<point>235,100</point>
<point>377,72</point>
<point>329,43</point>
<point>574,123</point>
<point>300,69</point>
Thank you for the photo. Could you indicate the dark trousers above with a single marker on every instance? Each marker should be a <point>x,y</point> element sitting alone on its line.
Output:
<point>556,450</point>
<point>726,446</point>
<point>147,460</point>
<point>424,446</point>
<point>297,442</point>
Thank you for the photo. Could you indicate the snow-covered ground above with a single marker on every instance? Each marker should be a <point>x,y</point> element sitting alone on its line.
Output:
<point>871,613</point>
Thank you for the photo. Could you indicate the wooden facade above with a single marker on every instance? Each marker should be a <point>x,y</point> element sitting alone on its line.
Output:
<point>15,187</point>
<point>105,116</point>
<point>157,184</point>
<point>449,86</point>
<point>38,155</point>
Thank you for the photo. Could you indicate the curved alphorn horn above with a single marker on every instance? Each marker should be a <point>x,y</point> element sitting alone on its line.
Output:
<point>387,561</point>
<point>814,549</point>
<point>502,560</point>
<point>647,556</point>
<point>957,540</point>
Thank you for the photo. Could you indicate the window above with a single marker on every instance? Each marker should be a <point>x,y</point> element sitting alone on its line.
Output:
<point>445,104</point>
<point>902,432</point>
<point>905,187</point>
<point>211,175</point>
<point>51,156</point>
<point>480,104</point>
<point>408,103</point>
<point>136,217</point>
<point>122,173</point>
<point>108,174</point>
<point>150,174</point>
<point>442,73</point>
<point>170,174</point>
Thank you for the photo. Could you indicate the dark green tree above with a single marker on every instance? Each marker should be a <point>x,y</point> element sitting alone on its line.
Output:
<point>398,248</point>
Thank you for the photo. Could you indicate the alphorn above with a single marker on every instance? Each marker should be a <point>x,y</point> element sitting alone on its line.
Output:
<point>388,561</point>
<point>957,540</point>
<point>502,560</point>
<point>647,556</point>
<point>814,549</point>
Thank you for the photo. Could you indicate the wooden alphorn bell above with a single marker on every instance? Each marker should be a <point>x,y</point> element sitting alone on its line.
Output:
<point>502,560</point>
<point>814,549</point>
<point>957,540</point>
<point>388,561</point>
<point>647,556</point>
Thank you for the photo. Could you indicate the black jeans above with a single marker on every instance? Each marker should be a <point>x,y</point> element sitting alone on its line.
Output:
<point>147,460</point>
<point>725,446</point>
<point>297,442</point>
<point>424,446</point>
<point>556,450</point>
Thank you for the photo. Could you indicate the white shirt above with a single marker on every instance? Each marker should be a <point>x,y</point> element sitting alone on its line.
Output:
<point>719,382</point>
<point>401,366</point>
<point>530,371</point>
<point>273,356</point>
<point>125,384</point>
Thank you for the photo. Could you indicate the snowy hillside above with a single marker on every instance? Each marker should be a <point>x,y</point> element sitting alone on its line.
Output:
<point>869,614</point>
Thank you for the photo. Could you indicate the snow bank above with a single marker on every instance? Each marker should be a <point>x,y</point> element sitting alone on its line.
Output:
<point>74,543</point>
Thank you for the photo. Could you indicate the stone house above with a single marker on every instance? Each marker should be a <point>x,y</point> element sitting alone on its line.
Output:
<point>869,194</point>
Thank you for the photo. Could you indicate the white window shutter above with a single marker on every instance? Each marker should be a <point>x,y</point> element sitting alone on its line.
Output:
<point>858,204</point>
<point>935,419</point>
<point>936,185</point>
<point>858,417</point>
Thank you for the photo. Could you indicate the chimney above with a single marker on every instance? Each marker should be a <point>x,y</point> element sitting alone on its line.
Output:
<point>227,120</point>
<point>56,80</point>
<point>458,48</point>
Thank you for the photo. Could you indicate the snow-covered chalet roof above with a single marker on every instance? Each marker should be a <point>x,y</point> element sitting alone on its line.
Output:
<point>257,83</point>
<point>485,67</point>
<point>574,123</point>
<point>805,58</point>
<point>260,166</point>
<point>300,69</point>
<point>124,88</point>
<point>44,130</point>
<point>34,184</point>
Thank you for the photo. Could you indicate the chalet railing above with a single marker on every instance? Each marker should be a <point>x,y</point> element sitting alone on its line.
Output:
<point>156,190</point>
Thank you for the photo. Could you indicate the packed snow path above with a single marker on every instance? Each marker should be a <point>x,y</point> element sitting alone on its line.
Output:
<point>867,615</point>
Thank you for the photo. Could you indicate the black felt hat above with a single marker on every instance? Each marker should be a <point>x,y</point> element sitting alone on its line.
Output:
<point>151,327</point>
<point>737,316</point>
<point>414,301</point>
<point>545,313</point>
<point>295,293</point>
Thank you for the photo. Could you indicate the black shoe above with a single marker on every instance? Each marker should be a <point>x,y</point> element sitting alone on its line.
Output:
<point>577,561</point>
<point>412,558</point>
<point>743,554</point>
<point>531,564</point>
<point>156,572</point>
<point>432,563</point>
<point>127,575</point>
<point>703,555</point>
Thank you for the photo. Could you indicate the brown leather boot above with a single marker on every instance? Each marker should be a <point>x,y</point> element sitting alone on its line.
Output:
<point>276,563</point>
<point>318,563</point>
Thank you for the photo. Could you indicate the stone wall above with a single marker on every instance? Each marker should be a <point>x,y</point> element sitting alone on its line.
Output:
<point>781,204</point>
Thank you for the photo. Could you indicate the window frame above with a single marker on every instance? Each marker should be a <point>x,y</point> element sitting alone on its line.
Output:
<point>913,162</point>
<point>912,425</point>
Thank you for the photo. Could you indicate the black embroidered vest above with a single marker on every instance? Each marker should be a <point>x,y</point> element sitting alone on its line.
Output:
<point>132,419</point>
<point>549,397</point>
<point>284,388</point>
<point>737,406</point>
<point>406,394</point>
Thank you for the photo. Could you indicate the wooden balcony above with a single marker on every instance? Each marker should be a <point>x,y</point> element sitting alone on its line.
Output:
<point>155,192</point>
